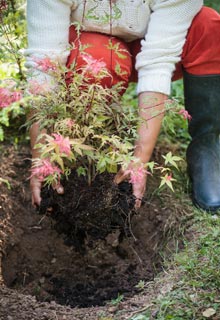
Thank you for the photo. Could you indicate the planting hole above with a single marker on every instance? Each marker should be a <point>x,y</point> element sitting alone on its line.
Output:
<point>84,251</point>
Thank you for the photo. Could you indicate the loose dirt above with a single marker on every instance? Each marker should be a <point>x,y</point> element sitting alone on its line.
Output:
<point>82,252</point>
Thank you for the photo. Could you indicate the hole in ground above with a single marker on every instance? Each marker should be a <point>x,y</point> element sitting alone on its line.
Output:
<point>80,254</point>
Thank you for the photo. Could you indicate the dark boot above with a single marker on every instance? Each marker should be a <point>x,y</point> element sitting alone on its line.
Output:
<point>202,101</point>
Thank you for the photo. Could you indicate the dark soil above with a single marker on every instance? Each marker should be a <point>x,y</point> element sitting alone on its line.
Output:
<point>82,249</point>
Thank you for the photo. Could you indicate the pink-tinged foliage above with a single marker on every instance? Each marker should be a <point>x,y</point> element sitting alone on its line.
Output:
<point>10,84</point>
<point>70,123</point>
<point>46,64</point>
<point>34,87</point>
<point>7,97</point>
<point>3,5</point>
<point>45,169</point>
<point>136,174</point>
<point>16,96</point>
<point>93,65</point>
<point>185,114</point>
<point>169,177</point>
<point>62,143</point>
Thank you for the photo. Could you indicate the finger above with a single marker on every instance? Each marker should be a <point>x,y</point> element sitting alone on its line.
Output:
<point>36,198</point>
<point>120,176</point>
<point>137,204</point>
<point>35,185</point>
<point>138,192</point>
<point>59,188</point>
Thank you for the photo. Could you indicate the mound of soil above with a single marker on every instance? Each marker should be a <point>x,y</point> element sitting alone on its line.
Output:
<point>82,249</point>
<point>94,211</point>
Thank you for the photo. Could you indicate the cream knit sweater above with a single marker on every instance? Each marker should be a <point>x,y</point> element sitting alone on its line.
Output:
<point>163,25</point>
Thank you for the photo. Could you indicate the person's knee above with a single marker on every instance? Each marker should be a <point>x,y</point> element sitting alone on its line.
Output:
<point>201,50</point>
<point>206,24</point>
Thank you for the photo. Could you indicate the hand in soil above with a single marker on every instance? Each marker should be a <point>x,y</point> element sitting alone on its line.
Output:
<point>36,185</point>
<point>138,186</point>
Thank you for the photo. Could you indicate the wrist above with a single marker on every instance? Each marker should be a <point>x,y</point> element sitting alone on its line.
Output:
<point>143,152</point>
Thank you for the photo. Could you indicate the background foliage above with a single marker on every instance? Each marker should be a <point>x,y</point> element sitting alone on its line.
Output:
<point>13,38</point>
<point>215,4</point>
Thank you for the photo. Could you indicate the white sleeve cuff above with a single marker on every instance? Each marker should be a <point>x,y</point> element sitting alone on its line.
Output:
<point>59,56</point>
<point>40,81</point>
<point>154,83</point>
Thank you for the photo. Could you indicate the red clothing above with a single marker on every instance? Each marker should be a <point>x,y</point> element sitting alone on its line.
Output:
<point>200,55</point>
<point>201,52</point>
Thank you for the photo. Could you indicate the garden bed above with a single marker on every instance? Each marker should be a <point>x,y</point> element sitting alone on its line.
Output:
<point>85,253</point>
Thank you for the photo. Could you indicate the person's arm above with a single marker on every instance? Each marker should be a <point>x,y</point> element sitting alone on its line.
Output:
<point>48,24</point>
<point>162,47</point>
<point>151,110</point>
<point>161,50</point>
<point>35,183</point>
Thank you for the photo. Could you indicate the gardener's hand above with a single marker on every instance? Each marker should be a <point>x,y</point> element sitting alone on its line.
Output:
<point>151,110</point>
<point>138,185</point>
<point>36,186</point>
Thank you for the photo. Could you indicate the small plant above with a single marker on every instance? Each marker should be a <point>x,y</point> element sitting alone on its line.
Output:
<point>141,284</point>
<point>10,107</point>
<point>88,127</point>
<point>116,301</point>
<point>141,317</point>
<point>13,38</point>
<point>12,34</point>
<point>5,181</point>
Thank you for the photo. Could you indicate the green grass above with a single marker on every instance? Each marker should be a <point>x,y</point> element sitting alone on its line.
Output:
<point>192,277</point>
<point>189,289</point>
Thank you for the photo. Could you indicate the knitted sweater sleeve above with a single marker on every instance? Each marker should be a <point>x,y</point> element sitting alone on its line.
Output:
<point>162,47</point>
<point>48,30</point>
